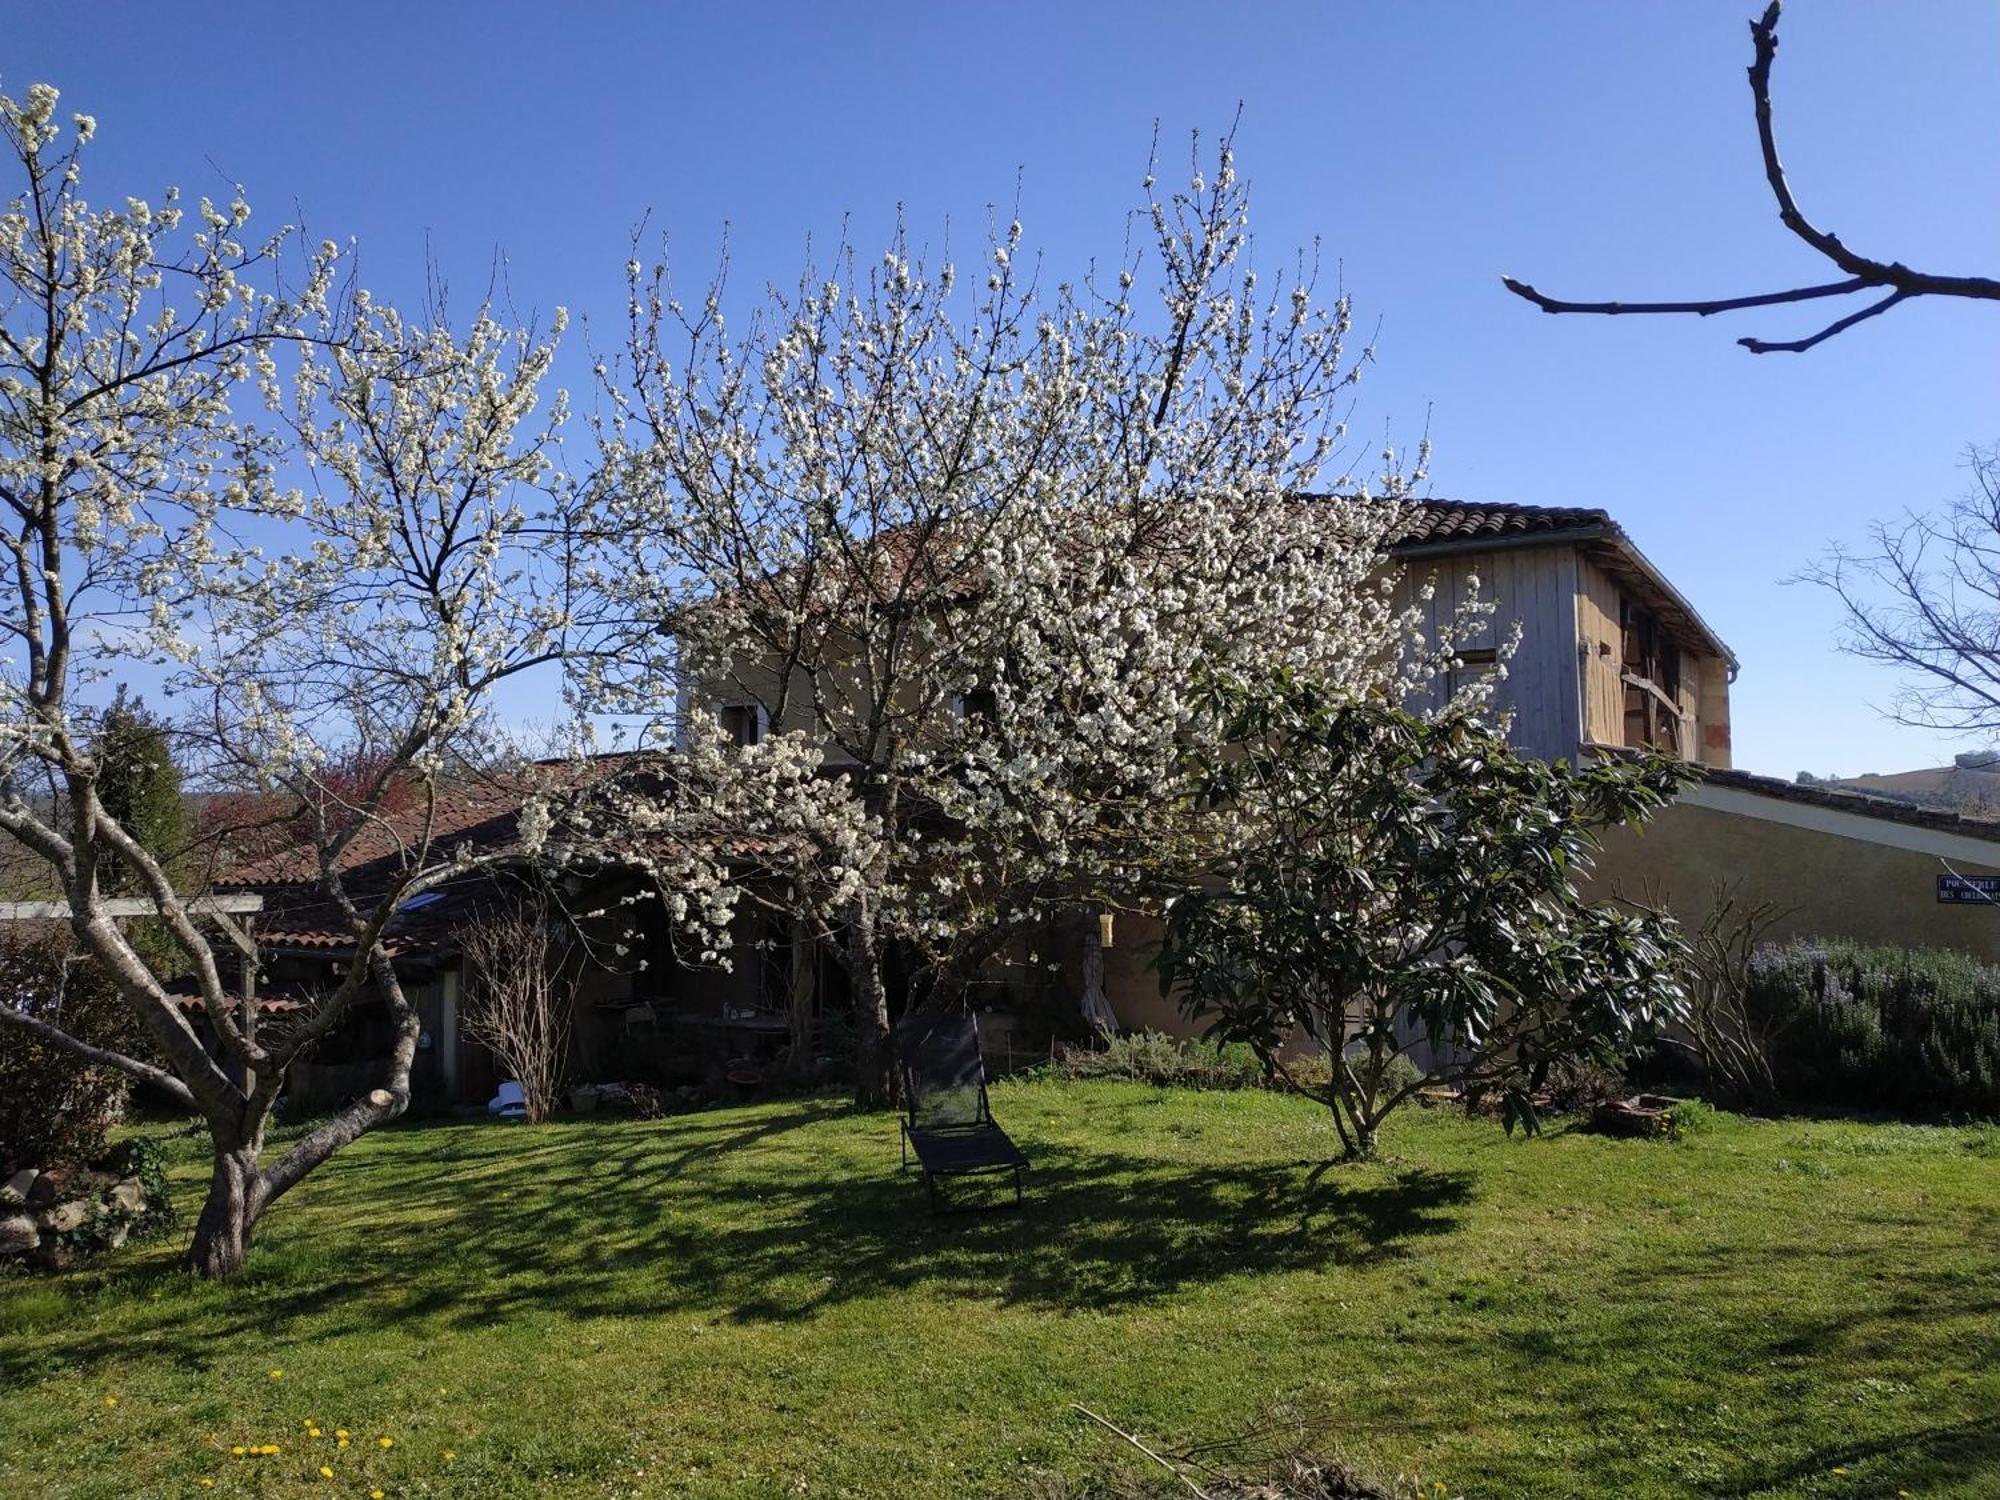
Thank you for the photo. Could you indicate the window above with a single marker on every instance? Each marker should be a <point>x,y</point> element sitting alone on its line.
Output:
<point>742,723</point>
<point>1473,667</point>
<point>978,703</point>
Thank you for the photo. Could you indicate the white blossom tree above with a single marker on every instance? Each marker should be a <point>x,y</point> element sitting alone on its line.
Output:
<point>334,592</point>
<point>931,574</point>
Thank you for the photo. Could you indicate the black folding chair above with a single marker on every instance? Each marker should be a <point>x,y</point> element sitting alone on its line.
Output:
<point>948,1124</point>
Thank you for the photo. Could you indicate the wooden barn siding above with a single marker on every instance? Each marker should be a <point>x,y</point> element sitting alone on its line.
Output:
<point>1536,586</point>
<point>1597,627</point>
<point>1598,615</point>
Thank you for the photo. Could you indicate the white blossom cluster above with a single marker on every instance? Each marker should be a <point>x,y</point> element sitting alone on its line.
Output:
<point>332,588</point>
<point>980,559</point>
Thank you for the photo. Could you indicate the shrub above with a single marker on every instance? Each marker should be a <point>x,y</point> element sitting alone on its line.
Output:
<point>1913,1031</point>
<point>1154,1057</point>
<point>55,1110</point>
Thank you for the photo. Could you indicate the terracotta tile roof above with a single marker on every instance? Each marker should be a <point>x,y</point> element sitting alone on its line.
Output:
<point>483,816</point>
<point>1439,521</point>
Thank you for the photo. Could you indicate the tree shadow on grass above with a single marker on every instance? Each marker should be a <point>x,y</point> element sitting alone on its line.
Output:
<point>748,1216</point>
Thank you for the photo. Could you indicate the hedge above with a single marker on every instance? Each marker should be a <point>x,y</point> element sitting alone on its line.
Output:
<point>1910,1031</point>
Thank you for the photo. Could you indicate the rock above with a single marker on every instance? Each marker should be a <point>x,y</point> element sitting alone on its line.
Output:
<point>15,1189</point>
<point>47,1186</point>
<point>65,1218</point>
<point>127,1196</point>
<point>18,1235</point>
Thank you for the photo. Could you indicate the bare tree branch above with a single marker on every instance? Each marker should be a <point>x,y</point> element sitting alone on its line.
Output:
<point>1863,272</point>
<point>101,1057</point>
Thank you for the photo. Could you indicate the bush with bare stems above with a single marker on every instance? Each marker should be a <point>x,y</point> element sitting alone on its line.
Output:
<point>521,995</point>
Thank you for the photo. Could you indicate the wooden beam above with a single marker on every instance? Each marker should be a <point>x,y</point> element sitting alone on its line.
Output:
<point>131,906</point>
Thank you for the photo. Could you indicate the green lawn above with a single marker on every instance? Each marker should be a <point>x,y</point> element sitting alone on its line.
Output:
<point>752,1302</point>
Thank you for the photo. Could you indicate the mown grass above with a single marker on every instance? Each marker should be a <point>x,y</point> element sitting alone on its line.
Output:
<point>752,1302</point>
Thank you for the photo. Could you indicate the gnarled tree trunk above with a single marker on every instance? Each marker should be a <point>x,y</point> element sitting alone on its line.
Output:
<point>236,1197</point>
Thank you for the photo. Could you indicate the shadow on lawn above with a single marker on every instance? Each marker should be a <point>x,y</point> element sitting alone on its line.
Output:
<point>724,1215</point>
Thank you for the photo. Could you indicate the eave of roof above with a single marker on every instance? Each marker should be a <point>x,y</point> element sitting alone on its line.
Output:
<point>1454,527</point>
<point>1861,804</point>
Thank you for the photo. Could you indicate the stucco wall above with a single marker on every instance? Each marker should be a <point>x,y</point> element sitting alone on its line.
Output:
<point>1828,884</point>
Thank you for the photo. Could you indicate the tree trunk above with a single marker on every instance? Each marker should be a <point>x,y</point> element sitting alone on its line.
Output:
<point>228,1216</point>
<point>874,1071</point>
<point>802,988</point>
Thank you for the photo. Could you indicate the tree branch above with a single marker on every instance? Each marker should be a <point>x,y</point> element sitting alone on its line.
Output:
<point>55,1036</point>
<point>1862,272</point>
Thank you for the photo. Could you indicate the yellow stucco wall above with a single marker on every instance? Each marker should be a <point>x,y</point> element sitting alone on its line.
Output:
<point>1828,884</point>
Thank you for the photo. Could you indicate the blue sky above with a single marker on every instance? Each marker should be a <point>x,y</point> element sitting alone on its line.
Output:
<point>1594,149</point>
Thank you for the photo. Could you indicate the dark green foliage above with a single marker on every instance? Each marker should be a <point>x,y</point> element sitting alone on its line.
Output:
<point>140,786</point>
<point>1912,1031</point>
<point>143,1157</point>
<point>1403,880</point>
<point>55,1110</point>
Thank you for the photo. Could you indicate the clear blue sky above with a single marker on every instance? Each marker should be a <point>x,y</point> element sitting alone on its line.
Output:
<point>1594,149</point>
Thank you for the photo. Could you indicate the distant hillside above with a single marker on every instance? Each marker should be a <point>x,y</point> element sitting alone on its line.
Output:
<point>1970,786</point>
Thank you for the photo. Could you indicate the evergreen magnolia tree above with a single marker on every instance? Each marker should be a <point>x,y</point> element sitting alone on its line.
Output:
<point>1404,898</point>
<point>338,641</point>
<point>926,556</point>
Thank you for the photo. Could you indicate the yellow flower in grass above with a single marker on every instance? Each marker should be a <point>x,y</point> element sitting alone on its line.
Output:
<point>376,1495</point>
<point>205,1482</point>
<point>277,1374</point>
<point>449,1455</point>
<point>1838,1470</point>
<point>239,1450</point>
<point>340,1442</point>
<point>270,1448</point>
<point>340,1432</point>
<point>386,1442</point>
<point>110,1400</point>
<point>325,1472</point>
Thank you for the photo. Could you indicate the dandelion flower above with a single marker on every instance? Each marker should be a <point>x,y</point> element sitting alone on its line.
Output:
<point>110,1400</point>
<point>340,1443</point>
<point>239,1450</point>
<point>325,1472</point>
<point>206,1483</point>
<point>340,1432</point>
<point>277,1374</point>
<point>386,1442</point>
<point>271,1448</point>
<point>449,1455</point>
<point>375,1495</point>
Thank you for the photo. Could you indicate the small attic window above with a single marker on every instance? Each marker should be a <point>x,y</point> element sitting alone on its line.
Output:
<point>742,723</point>
<point>978,703</point>
<point>418,903</point>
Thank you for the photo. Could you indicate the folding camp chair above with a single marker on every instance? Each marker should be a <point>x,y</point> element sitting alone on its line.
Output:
<point>948,1123</point>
